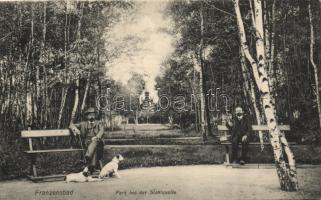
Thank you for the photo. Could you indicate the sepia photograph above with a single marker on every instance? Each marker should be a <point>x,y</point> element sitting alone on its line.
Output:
<point>160,99</point>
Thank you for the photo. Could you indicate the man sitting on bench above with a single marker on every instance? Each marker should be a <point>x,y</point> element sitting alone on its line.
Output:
<point>240,129</point>
<point>91,131</point>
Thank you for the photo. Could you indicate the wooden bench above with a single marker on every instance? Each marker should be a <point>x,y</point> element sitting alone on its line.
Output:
<point>32,152</point>
<point>225,138</point>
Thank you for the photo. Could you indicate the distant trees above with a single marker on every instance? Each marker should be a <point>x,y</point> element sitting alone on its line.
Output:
<point>136,85</point>
<point>177,88</point>
<point>194,25</point>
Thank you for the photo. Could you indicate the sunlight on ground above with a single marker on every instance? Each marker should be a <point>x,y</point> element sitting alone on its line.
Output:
<point>180,182</point>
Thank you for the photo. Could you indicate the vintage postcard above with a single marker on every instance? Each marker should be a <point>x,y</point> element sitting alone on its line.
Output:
<point>160,99</point>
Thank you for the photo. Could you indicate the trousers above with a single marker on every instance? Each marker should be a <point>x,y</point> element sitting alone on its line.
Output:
<point>94,152</point>
<point>235,148</point>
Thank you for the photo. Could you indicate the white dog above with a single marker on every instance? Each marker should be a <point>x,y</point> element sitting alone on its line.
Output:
<point>111,168</point>
<point>81,177</point>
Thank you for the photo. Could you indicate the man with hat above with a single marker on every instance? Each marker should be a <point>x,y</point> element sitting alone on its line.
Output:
<point>240,129</point>
<point>91,132</point>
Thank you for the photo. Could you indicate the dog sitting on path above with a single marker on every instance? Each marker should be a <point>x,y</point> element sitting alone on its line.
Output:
<point>81,177</point>
<point>111,168</point>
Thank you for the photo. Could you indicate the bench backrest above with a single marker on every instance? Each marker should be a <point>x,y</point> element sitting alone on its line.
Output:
<point>257,128</point>
<point>45,133</point>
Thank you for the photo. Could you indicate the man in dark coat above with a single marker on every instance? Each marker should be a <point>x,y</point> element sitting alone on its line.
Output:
<point>91,131</point>
<point>240,128</point>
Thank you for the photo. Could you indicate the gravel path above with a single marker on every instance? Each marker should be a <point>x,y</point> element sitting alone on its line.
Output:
<point>199,182</point>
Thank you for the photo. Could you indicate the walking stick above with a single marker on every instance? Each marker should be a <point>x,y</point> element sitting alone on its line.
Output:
<point>82,146</point>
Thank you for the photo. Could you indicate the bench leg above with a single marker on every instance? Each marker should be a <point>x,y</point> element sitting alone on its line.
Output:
<point>227,156</point>
<point>33,169</point>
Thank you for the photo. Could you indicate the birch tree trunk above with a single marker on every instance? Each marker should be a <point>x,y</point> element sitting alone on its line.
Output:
<point>85,94</point>
<point>286,171</point>
<point>202,106</point>
<point>136,118</point>
<point>74,109</point>
<point>62,105</point>
<point>315,68</point>
<point>29,106</point>
<point>194,88</point>
<point>1,90</point>
<point>64,87</point>
<point>35,93</point>
<point>45,89</point>
<point>37,85</point>
<point>249,87</point>
<point>76,102</point>
<point>270,49</point>
<point>272,54</point>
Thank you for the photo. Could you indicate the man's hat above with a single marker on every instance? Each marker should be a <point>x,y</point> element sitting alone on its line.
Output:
<point>238,110</point>
<point>90,110</point>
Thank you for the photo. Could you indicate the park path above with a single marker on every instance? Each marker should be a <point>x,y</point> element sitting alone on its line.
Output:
<point>180,182</point>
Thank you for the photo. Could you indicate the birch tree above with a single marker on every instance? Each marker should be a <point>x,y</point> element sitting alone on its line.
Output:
<point>286,171</point>
<point>250,92</point>
<point>65,77</point>
<point>202,106</point>
<point>43,59</point>
<point>83,104</point>
<point>29,103</point>
<point>314,65</point>
<point>76,101</point>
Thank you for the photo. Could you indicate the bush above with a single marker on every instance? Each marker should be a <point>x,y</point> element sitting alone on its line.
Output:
<point>310,137</point>
<point>13,162</point>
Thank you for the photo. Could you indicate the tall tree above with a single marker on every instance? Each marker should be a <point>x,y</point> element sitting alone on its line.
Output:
<point>250,93</point>
<point>314,65</point>
<point>76,100</point>
<point>286,171</point>
<point>201,60</point>
<point>65,74</point>
<point>44,108</point>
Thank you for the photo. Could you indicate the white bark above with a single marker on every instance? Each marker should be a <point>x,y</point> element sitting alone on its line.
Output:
<point>76,102</point>
<point>28,107</point>
<point>85,95</point>
<point>272,67</point>
<point>62,105</point>
<point>249,87</point>
<point>64,89</point>
<point>202,106</point>
<point>37,68</point>
<point>315,68</point>
<point>287,173</point>
<point>252,12</point>
<point>45,89</point>
<point>74,109</point>
<point>196,68</point>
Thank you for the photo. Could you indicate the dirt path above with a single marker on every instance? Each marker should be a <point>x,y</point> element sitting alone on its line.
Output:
<point>182,182</point>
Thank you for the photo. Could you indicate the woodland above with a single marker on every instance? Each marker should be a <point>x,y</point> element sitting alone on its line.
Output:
<point>264,55</point>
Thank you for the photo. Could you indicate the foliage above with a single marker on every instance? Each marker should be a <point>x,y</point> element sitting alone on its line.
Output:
<point>294,88</point>
<point>46,49</point>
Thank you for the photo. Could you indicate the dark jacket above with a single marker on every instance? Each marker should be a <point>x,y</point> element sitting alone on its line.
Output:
<point>88,130</point>
<point>240,128</point>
